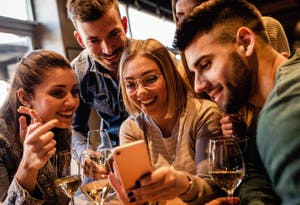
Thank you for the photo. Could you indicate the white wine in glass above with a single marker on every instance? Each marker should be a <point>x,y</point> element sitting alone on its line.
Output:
<point>226,163</point>
<point>95,190</point>
<point>95,166</point>
<point>66,182</point>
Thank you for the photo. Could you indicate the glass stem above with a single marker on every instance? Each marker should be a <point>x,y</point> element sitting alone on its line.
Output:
<point>72,201</point>
<point>230,196</point>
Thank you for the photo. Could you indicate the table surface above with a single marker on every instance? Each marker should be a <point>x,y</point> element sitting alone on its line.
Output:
<point>82,200</point>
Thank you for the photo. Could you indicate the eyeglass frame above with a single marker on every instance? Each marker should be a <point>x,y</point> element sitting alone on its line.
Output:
<point>142,82</point>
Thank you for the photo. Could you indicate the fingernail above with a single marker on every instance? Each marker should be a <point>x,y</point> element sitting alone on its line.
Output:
<point>129,194</point>
<point>137,184</point>
<point>132,199</point>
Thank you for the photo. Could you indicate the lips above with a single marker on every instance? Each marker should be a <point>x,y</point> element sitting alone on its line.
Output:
<point>66,114</point>
<point>147,101</point>
<point>113,57</point>
<point>216,94</point>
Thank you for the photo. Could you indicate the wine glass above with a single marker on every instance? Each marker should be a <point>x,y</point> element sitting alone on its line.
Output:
<point>225,163</point>
<point>98,139</point>
<point>95,166</point>
<point>66,182</point>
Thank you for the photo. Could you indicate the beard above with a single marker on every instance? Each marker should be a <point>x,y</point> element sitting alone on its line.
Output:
<point>239,83</point>
<point>109,65</point>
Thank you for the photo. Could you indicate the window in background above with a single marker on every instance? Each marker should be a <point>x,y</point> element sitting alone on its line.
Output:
<point>16,34</point>
<point>12,47</point>
<point>17,9</point>
<point>144,25</point>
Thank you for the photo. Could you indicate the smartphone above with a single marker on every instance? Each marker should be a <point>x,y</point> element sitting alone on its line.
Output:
<point>132,162</point>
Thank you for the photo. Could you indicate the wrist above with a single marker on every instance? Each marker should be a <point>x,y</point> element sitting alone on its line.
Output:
<point>191,193</point>
<point>26,177</point>
<point>189,186</point>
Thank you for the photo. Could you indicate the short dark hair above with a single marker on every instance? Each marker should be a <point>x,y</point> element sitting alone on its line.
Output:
<point>88,10</point>
<point>229,14</point>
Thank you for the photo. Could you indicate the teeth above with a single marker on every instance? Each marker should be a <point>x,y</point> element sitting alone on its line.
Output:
<point>66,113</point>
<point>147,101</point>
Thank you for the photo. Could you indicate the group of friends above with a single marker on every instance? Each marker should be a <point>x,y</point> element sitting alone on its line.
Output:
<point>140,92</point>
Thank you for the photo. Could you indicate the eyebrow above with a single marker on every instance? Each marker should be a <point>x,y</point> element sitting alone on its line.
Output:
<point>92,38</point>
<point>143,74</point>
<point>199,59</point>
<point>59,86</point>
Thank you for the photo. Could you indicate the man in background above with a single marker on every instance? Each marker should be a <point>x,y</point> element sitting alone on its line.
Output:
<point>101,32</point>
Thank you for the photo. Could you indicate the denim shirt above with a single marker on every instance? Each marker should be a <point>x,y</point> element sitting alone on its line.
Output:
<point>97,89</point>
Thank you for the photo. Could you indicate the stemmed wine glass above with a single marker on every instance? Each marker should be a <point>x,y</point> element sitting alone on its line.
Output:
<point>95,166</point>
<point>225,163</point>
<point>66,182</point>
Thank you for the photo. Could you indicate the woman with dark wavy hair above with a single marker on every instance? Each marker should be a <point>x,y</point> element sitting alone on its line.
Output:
<point>34,126</point>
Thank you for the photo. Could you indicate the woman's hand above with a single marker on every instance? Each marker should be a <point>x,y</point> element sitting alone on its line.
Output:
<point>22,120</point>
<point>116,184</point>
<point>93,170</point>
<point>224,201</point>
<point>39,145</point>
<point>38,142</point>
<point>233,125</point>
<point>163,184</point>
<point>38,148</point>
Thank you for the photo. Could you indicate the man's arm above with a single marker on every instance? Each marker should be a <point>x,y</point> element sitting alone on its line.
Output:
<point>279,146</point>
<point>80,127</point>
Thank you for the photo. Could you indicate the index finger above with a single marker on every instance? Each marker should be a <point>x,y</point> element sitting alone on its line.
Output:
<point>31,112</point>
<point>44,128</point>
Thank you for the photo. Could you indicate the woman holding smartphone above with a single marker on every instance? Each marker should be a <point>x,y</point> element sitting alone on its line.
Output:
<point>174,124</point>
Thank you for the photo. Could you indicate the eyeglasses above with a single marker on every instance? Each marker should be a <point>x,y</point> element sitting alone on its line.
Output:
<point>147,81</point>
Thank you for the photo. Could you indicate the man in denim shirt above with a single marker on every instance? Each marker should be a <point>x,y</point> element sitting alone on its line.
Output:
<point>101,31</point>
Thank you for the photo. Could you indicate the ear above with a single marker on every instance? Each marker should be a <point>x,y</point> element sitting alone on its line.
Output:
<point>124,23</point>
<point>78,38</point>
<point>24,98</point>
<point>246,40</point>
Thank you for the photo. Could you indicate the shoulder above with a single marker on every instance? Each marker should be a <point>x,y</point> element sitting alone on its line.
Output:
<point>198,106</point>
<point>202,115</point>
<point>287,84</point>
<point>5,135</point>
<point>286,92</point>
<point>278,127</point>
<point>82,64</point>
<point>132,128</point>
<point>134,123</point>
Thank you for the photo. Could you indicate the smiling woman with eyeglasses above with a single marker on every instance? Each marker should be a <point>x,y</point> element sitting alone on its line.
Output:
<point>175,126</point>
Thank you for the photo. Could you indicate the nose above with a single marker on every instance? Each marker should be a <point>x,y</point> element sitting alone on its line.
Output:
<point>140,89</point>
<point>72,101</point>
<point>200,85</point>
<point>106,48</point>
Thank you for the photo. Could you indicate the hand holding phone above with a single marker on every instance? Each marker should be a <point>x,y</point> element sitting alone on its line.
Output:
<point>132,162</point>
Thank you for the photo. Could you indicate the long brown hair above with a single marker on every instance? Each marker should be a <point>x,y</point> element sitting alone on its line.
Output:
<point>30,71</point>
